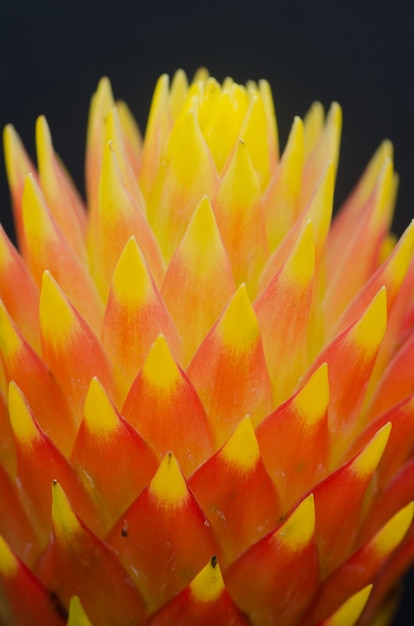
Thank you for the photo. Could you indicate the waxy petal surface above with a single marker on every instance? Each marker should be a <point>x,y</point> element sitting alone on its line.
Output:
<point>164,407</point>
<point>198,279</point>
<point>168,509</point>
<point>237,381</point>
<point>76,562</point>
<point>105,454</point>
<point>237,524</point>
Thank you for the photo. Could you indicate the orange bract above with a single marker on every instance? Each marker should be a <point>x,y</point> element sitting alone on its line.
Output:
<point>206,395</point>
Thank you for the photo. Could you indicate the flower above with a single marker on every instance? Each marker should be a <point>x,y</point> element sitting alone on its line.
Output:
<point>207,400</point>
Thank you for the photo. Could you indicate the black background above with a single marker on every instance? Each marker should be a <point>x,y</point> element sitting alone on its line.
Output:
<point>52,55</point>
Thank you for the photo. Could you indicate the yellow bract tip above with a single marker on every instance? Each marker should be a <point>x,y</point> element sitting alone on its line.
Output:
<point>367,460</point>
<point>255,133</point>
<point>390,535</point>
<point>35,212</point>
<point>64,519</point>
<point>386,189</point>
<point>208,584</point>
<point>348,614</point>
<point>104,94</point>
<point>131,281</point>
<point>299,528</point>
<point>10,341</point>
<point>178,92</point>
<point>99,413</point>
<point>16,161</point>
<point>160,370</point>
<point>203,223</point>
<point>77,616</point>
<point>20,416</point>
<point>168,485</point>
<point>241,184</point>
<point>242,449</point>
<point>301,263</point>
<point>313,125</point>
<point>54,311</point>
<point>201,242</point>
<point>238,327</point>
<point>8,562</point>
<point>370,328</point>
<point>44,147</point>
<point>312,400</point>
<point>201,75</point>
<point>403,253</point>
<point>159,102</point>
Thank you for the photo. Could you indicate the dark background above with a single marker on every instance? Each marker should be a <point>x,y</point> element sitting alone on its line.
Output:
<point>360,54</point>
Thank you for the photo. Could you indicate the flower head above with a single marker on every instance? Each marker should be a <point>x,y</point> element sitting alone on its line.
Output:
<point>206,389</point>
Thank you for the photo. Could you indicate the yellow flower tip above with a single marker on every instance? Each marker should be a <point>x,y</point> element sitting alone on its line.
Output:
<point>384,194</point>
<point>203,226</point>
<point>313,125</point>
<point>299,528</point>
<point>241,449</point>
<point>36,215</point>
<point>367,461</point>
<point>77,615</point>
<point>334,127</point>
<point>21,418</point>
<point>349,613</point>
<point>99,414</point>
<point>65,522</point>
<point>394,531</point>
<point>238,327</point>
<point>158,110</point>
<point>301,264</point>
<point>44,146</point>
<point>208,584</point>
<point>178,92</point>
<point>186,139</point>
<point>104,94</point>
<point>54,310</point>
<point>131,280</point>
<point>369,330</point>
<point>8,562</point>
<point>311,402</point>
<point>241,184</point>
<point>403,252</point>
<point>168,486</point>
<point>255,132</point>
<point>15,157</point>
<point>267,98</point>
<point>201,75</point>
<point>10,342</point>
<point>102,102</point>
<point>160,370</point>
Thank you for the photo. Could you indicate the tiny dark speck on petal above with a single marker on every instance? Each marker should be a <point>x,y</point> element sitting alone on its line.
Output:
<point>213,561</point>
<point>60,609</point>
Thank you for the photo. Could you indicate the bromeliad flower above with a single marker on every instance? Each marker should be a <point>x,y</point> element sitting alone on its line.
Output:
<point>207,392</point>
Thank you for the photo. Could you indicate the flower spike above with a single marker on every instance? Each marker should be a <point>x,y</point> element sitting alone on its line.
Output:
<point>206,390</point>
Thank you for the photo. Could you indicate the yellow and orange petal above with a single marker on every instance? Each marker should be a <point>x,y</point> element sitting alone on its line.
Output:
<point>164,509</point>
